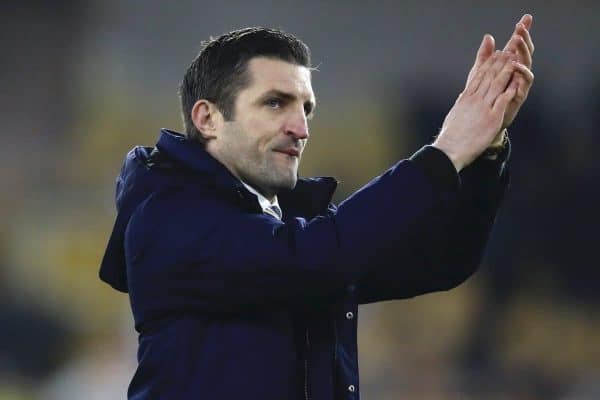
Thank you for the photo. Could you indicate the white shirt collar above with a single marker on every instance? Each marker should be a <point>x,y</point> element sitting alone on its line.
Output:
<point>265,204</point>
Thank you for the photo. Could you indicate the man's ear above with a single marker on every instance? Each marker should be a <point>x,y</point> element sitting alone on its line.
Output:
<point>207,118</point>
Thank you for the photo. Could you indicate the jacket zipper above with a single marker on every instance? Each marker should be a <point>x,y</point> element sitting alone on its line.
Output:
<point>306,394</point>
<point>335,344</point>
<point>335,341</point>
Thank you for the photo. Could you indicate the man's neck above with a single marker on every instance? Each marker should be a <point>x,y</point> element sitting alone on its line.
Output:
<point>272,199</point>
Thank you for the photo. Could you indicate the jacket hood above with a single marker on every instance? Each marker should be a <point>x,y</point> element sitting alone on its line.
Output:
<point>129,193</point>
<point>173,151</point>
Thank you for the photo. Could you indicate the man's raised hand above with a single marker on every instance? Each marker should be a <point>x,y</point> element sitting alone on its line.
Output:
<point>478,114</point>
<point>520,44</point>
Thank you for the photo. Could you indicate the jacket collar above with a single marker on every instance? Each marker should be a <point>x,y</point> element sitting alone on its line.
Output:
<point>191,155</point>
<point>310,196</point>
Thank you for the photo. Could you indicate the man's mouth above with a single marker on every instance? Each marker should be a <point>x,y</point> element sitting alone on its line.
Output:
<point>289,151</point>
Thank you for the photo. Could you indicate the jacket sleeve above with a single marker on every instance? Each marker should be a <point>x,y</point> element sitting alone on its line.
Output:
<point>189,251</point>
<point>451,248</point>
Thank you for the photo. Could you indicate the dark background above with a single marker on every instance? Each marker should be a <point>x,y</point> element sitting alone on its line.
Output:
<point>83,81</point>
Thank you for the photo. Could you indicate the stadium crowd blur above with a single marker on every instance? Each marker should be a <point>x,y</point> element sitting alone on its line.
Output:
<point>84,81</point>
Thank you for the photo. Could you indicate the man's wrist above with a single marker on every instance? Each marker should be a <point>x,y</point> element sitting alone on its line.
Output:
<point>497,146</point>
<point>442,144</point>
<point>438,166</point>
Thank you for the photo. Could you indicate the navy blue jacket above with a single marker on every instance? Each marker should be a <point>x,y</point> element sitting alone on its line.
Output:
<point>231,303</point>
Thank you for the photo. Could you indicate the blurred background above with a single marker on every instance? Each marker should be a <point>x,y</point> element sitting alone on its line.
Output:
<point>84,81</point>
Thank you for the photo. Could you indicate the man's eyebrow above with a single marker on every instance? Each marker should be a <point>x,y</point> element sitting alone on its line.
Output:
<point>280,94</point>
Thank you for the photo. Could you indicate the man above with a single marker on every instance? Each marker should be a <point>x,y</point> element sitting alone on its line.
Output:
<point>244,280</point>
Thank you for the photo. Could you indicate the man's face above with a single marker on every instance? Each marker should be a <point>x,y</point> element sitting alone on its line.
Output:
<point>263,144</point>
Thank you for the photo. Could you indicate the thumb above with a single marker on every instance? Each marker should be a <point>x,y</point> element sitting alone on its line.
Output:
<point>486,49</point>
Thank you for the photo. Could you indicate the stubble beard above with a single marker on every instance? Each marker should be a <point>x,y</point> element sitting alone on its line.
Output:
<point>267,177</point>
<point>263,171</point>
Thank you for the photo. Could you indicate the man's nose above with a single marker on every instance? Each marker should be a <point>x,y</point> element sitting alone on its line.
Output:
<point>297,126</point>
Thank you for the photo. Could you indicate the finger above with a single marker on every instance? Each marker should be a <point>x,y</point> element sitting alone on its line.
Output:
<point>522,50</point>
<point>499,83</point>
<point>517,46</point>
<point>479,73</point>
<point>522,31</point>
<point>486,49</point>
<point>502,59</point>
<point>523,80</point>
<point>509,44</point>
<point>527,21</point>
<point>522,91</point>
<point>524,72</point>
<point>521,84</point>
<point>502,101</point>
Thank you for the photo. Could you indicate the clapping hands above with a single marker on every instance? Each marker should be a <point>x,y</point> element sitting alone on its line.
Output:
<point>496,88</point>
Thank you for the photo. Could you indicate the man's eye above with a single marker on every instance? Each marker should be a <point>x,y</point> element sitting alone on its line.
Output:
<point>308,111</point>
<point>273,103</point>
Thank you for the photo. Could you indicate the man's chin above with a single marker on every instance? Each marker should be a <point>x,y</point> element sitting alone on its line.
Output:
<point>285,184</point>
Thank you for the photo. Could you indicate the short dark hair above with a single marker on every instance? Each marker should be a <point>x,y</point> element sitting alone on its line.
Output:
<point>219,71</point>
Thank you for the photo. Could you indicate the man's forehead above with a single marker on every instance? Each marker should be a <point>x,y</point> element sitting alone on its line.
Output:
<point>273,74</point>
